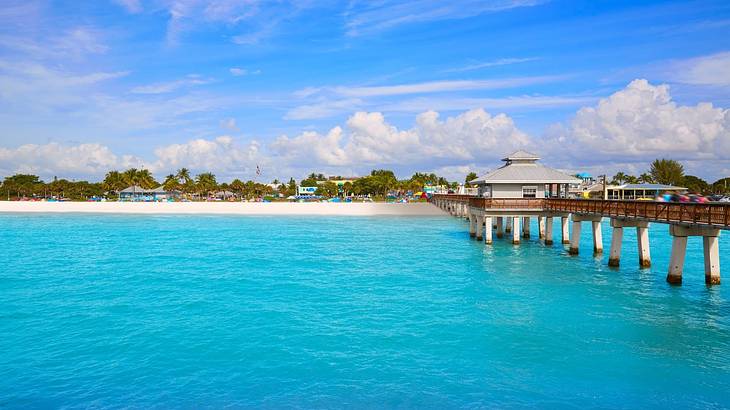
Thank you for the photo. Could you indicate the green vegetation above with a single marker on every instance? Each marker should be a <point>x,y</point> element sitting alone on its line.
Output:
<point>671,172</point>
<point>378,184</point>
<point>667,171</point>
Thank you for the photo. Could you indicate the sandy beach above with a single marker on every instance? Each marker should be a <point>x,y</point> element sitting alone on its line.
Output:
<point>234,208</point>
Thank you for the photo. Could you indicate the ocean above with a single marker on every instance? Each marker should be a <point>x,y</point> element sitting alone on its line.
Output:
<point>110,311</point>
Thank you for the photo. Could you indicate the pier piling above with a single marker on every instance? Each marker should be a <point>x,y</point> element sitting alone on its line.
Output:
<point>679,249</point>
<point>488,230</point>
<point>479,226</point>
<point>548,230</point>
<point>516,230</point>
<point>565,233</point>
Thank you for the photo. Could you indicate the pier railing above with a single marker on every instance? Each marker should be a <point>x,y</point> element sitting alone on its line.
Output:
<point>713,214</point>
<point>508,203</point>
<point>717,214</point>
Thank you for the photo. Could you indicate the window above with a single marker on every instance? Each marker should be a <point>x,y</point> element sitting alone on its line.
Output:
<point>529,191</point>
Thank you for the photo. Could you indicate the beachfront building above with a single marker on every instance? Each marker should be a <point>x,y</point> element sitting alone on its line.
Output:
<point>642,191</point>
<point>522,177</point>
<point>136,193</point>
<point>306,190</point>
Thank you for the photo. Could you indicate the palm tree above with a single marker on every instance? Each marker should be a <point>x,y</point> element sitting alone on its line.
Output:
<point>470,177</point>
<point>113,182</point>
<point>146,180</point>
<point>619,178</point>
<point>171,183</point>
<point>667,171</point>
<point>206,183</point>
<point>646,178</point>
<point>183,175</point>
<point>131,177</point>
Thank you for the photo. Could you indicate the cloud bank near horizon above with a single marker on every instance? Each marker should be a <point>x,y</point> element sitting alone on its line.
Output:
<point>623,131</point>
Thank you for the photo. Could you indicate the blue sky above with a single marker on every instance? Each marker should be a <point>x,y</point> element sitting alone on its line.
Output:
<point>346,86</point>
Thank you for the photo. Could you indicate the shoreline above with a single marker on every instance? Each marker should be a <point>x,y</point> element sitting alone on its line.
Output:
<point>229,208</point>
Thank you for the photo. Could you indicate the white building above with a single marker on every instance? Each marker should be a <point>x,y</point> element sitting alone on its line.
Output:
<point>522,177</point>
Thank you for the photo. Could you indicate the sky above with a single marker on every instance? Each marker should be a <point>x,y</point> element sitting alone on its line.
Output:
<point>343,87</point>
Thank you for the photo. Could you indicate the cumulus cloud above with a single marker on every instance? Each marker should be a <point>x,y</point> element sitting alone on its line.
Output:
<point>221,155</point>
<point>642,122</point>
<point>370,140</point>
<point>65,161</point>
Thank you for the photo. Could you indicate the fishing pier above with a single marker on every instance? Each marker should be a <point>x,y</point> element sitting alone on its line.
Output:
<point>506,205</point>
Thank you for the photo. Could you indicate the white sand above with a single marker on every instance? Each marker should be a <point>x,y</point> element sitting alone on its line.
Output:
<point>238,208</point>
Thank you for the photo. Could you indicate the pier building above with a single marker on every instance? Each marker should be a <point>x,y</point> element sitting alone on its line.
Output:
<point>507,200</point>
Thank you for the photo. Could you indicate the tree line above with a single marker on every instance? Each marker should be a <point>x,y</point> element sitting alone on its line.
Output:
<point>379,183</point>
<point>671,172</point>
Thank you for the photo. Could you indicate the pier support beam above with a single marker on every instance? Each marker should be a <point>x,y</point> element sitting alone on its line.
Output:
<point>711,246</point>
<point>508,225</point>
<point>526,227</point>
<point>516,230</point>
<point>500,227</point>
<point>617,236</point>
<point>548,230</point>
<point>575,236</point>
<point>540,227</point>
<point>472,225</point>
<point>597,238</point>
<point>679,249</point>
<point>642,239</point>
<point>565,233</point>
<point>480,226</point>
<point>488,230</point>
<point>676,260</point>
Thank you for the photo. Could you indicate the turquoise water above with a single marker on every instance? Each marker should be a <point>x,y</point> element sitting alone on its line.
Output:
<point>319,312</point>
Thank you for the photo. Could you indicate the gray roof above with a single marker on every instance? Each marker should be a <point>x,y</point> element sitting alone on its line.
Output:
<point>132,189</point>
<point>521,155</point>
<point>525,170</point>
<point>136,189</point>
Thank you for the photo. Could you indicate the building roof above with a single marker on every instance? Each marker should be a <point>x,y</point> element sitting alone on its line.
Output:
<point>652,187</point>
<point>136,189</point>
<point>525,170</point>
<point>521,155</point>
<point>132,189</point>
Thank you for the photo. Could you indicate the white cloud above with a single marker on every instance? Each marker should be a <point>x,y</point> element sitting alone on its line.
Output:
<point>706,70</point>
<point>132,6</point>
<point>495,63</point>
<point>323,102</point>
<point>369,140</point>
<point>170,86</point>
<point>442,86</point>
<point>64,161</point>
<point>221,155</point>
<point>642,122</point>
<point>372,17</point>
<point>238,72</point>
<point>229,124</point>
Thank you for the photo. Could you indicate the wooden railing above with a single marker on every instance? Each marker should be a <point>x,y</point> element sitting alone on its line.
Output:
<point>507,203</point>
<point>713,214</point>
<point>453,197</point>
<point>717,214</point>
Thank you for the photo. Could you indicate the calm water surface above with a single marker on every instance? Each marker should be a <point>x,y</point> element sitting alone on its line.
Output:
<point>319,312</point>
